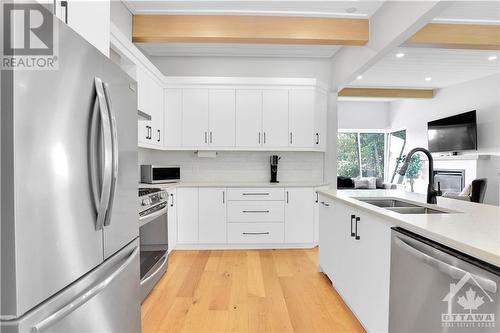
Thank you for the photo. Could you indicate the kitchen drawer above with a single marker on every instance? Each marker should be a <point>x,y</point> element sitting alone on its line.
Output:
<point>255,211</point>
<point>238,233</point>
<point>253,194</point>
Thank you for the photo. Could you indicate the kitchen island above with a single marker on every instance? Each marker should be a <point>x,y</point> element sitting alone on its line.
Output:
<point>355,241</point>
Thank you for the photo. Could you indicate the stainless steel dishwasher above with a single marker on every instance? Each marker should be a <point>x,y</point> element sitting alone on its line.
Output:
<point>437,289</point>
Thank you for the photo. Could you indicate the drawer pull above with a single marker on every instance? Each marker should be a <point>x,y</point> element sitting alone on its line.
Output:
<point>256,193</point>
<point>255,211</point>
<point>256,233</point>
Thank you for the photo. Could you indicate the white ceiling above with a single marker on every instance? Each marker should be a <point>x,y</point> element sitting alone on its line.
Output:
<point>325,8</point>
<point>483,12</point>
<point>238,50</point>
<point>445,66</point>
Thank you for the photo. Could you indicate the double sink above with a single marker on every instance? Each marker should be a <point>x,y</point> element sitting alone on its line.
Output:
<point>401,206</point>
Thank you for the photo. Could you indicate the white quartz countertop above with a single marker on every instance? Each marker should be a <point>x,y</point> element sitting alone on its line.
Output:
<point>471,228</point>
<point>233,184</point>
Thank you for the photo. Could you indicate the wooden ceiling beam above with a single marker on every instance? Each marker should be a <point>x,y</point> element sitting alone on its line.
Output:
<point>249,29</point>
<point>457,36</point>
<point>386,93</point>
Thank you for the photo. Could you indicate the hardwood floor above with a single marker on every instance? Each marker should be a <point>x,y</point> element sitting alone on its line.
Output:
<point>246,291</point>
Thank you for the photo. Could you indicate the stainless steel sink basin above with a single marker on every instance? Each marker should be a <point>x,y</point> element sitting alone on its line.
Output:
<point>385,203</point>
<point>416,210</point>
<point>401,206</point>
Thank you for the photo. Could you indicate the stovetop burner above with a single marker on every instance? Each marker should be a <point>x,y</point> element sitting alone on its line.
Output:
<point>145,191</point>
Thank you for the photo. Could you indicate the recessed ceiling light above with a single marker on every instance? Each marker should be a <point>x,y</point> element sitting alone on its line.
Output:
<point>428,78</point>
<point>400,55</point>
<point>351,10</point>
<point>359,77</point>
<point>492,57</point>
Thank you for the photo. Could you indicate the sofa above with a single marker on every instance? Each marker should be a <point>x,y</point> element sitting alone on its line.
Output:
<point>347,183</point>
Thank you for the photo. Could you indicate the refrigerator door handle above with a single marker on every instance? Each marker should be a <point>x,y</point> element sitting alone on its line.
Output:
<point>453,272</point>
<point>114,154</point>
<point>84,297</point>
<point>98,178</point>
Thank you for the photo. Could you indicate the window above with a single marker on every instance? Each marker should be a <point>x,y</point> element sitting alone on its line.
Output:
<point>361,154</point>
<point>396,145</point>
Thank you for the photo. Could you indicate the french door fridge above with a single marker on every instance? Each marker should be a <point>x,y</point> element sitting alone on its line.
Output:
<point>69,218</point>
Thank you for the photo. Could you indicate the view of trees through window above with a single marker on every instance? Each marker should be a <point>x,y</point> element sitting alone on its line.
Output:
<point>360,154</point>
<point>396,145</point>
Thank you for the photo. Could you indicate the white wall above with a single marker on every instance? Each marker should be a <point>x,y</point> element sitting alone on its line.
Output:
<point>481,95</point>
<point>244,66</point>
<point>363,115</point>
<point>239,166</point>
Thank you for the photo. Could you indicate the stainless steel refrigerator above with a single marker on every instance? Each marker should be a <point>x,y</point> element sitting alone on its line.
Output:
<point>69,215</point>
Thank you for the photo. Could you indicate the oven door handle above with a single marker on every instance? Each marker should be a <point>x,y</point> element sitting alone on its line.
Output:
<point>150,217</point>
<point>452,271</point>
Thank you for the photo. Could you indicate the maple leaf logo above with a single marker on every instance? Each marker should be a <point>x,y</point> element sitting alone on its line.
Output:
<point>470,301</point>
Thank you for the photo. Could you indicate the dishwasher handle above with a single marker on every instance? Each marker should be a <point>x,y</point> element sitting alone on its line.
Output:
<point>452,271</point>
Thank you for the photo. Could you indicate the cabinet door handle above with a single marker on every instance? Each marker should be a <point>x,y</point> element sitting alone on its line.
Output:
<point>255,211</point>
<point>317,138</point>
<point>205,137</point>
<point>210,136</point>
<point>259,138</point>
<point>223,197</point>
<point>356,231</point>
<point>159,136</point>
<point>264,137</point>
<point>291,138</point>
<point>256,233</point>
<point>287,197</point>
<point>171,200</point>
<point>317,197</point>
<point>64,4</point>
<point>353,217</point>
<point>148,136</point>
<point>325,204</point>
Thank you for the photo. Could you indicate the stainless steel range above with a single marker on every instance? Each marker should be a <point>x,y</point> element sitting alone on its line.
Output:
<point>153,203</point>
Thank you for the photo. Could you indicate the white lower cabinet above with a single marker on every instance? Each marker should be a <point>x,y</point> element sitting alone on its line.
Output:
<point>355,254</point>
<point>187,215</point>
<point>299,215</point>
<point>172,219</point>
<point>212,215</point>
<point>219,217</point>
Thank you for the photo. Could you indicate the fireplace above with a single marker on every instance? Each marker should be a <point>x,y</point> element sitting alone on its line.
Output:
<point>451,180</point>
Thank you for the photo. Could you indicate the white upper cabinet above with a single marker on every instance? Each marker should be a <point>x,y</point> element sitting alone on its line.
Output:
<point>173,118</point>
<point>90,19</point>
<point>275,118</point>
<point>301,118</point>
<point>157,114</point>
<point>248,118</point>
<point>221,117</point>
<point>320,119</point>
<point>150,101</point>
<point>195,131</point>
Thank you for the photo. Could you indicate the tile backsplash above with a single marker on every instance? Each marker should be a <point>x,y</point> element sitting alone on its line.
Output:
<point>239,166</point>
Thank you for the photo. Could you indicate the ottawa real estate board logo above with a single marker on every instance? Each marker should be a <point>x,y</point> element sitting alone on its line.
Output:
<point>30,37</point>
<point>470,304</point>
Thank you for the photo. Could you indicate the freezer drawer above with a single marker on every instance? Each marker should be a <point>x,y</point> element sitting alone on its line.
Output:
<point>105,300</point>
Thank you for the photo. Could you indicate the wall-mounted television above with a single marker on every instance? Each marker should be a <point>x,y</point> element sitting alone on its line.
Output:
<point>455,133</point>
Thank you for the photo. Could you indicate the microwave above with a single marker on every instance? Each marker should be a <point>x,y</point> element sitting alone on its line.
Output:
<point>155,174</point>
